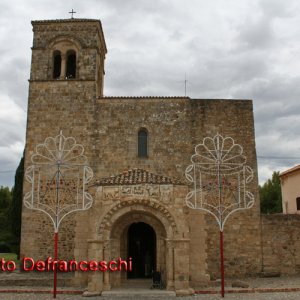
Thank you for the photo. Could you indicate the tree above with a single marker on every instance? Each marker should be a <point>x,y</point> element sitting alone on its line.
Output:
<point>5,197</point>
<point>5,229</point>
<point>270,195</point>
<point>5,202</point>
<point>16,206</point>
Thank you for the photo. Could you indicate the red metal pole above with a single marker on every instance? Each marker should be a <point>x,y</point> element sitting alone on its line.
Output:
<point>222,265</point>
<point>55,265</point>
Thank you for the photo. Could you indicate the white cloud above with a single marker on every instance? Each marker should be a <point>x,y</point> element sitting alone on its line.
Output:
<point>10,112</point>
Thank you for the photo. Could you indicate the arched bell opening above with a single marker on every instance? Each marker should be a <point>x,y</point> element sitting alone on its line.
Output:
<point>56,64</point>
<point>71,64</point>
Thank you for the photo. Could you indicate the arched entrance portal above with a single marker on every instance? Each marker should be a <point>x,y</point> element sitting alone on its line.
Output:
<point>142,249</point>
<point>170,247</point>
<point>141,235</point>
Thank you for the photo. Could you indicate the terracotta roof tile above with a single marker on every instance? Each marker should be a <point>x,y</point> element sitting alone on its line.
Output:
<point>137,176</point>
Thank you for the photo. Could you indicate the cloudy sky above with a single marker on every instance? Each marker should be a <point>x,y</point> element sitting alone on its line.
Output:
<point>247,49</point>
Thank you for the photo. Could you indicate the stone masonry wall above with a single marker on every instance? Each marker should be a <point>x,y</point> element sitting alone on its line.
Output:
<point>175,126</point>
<point>38,238</point>
<point>281,243</point>
<point>242,246</point>
<point>276,253</point>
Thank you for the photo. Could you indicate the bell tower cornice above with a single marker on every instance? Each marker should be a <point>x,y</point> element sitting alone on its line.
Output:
<point>70,26</point>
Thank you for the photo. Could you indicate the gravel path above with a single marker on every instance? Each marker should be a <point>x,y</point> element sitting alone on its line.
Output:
<point>292,282</point>
<point>251,296</point>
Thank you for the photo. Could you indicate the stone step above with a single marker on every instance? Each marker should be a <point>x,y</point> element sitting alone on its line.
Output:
<point>46,280</point>
<point>142,293</point>
<point>137,283</point>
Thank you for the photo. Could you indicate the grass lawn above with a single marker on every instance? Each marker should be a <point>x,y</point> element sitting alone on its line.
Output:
<point>10,256</point>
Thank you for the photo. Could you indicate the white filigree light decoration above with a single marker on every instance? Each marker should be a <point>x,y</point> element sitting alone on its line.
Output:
<point>58,178</point>
<point>220,176</point>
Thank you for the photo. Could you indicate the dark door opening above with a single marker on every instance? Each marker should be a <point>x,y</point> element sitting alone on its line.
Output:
<point>142,250</point>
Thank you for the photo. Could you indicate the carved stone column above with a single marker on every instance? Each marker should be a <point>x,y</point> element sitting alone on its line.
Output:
<point>169,265</point>
<point>95,252</point>
<point>115,277</point>
<point>63,66</point>
<point>106,257</point>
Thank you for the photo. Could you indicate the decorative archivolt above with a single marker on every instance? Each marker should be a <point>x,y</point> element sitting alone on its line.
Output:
<point>61,39</point>
<point>122,223</point>
<point>107,222</point>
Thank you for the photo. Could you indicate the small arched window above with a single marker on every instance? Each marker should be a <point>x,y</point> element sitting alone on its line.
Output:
<point>298,203</point>
<point>56,64</point>
<point>143,143</point>
<point>71,64</point>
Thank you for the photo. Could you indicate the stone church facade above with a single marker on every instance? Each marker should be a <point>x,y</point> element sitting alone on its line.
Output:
<point>138,148</point>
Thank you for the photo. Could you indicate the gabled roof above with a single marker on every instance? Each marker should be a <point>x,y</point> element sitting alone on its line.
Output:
<point>137,176</point>
<point>293,169</point>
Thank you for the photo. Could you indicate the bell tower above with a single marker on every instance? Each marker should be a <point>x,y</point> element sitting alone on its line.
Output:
<point>68,50</point>
<point>66,78</point>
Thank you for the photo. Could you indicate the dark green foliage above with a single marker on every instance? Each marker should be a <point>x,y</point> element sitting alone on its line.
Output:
<point>5,228</point>
<point>5,248</point>
<point>10,213</point>
<point>5,203</point>
<point>270,195</point>
<point>16,207</point>
<point>5,197</point>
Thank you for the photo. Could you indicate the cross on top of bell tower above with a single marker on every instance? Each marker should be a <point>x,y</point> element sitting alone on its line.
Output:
<point>72,13</point>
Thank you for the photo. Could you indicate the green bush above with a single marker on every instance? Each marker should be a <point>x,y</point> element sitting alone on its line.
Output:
<point>270,195</point>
